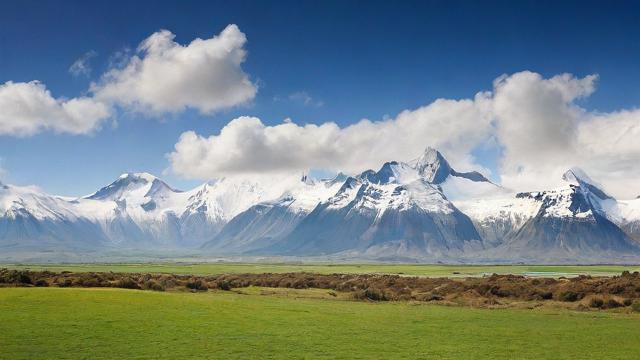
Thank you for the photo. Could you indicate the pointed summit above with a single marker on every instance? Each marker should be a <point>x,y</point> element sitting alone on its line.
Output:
<point>432,166</point>
<point>129,182</point>
<point>577,177</point>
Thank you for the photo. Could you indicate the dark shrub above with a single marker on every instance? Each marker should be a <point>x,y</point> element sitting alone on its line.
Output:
<point>569,296</point>
<point>596,302</point>
<point>636,306</point>
<point>224,285</point>
<point>42,283</point>
<point>153,285</point>
<point>197,285</point>
<point>612,304</point>
<point>21,277</point>
<point>375,294</point>
<point>627,302</point>
<point>127,283</point>
<point>545,295</point>
<point>65,282</point>
<point>90,283</point>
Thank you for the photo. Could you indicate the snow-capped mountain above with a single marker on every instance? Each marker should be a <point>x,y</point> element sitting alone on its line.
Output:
<point>421,210</point>
<point>29,218</point>
<point>435,169</point>
<point>389,213</point>
<point>574,223</point>
<point>265,223</point>
<point>628,217</point>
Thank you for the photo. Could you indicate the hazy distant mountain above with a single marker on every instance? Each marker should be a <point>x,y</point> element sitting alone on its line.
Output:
<point>420,210</point>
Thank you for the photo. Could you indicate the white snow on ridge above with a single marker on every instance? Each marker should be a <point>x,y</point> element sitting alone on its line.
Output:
<point>459,188</point>
<point>516,209</point>
<point>305,195</point>
<point>629,210</point>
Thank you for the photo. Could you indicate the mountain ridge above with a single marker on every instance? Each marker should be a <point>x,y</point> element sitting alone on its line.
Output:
<point>422,209</point>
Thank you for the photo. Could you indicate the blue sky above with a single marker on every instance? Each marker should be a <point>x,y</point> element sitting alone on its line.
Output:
<point>312,62</point>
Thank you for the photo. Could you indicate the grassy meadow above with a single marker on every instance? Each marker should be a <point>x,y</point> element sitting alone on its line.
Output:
<point>403,269</point>
<point>73,323</point>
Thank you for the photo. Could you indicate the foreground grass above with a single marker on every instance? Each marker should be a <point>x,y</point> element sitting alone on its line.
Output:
<point>405,269</point>
<point>62,323</point>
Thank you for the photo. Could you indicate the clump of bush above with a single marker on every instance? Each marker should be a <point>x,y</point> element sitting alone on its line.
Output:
<point>153,285</point>
<point>16,277</point>
<point>612,304</point>
<point>41,283</point>
<point>224,285</point>
<point>370,294</point>
<point>127,283</point>
<point>636,306</point>
<point>596,302</point>
<point>569,296</point>
<point>197,285</point>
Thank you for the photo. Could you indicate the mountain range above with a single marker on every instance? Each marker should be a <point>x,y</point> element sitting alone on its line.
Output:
<point>420,210</point>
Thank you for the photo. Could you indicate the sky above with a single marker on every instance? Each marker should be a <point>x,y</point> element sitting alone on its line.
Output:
<point>196,90</point>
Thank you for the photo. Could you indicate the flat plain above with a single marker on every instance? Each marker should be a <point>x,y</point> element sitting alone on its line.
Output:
<point>322,268</point>
<point>73,323</point>
<point>275,323</point>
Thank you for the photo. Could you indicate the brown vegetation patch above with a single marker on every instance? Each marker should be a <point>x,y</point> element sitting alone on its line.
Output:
<point>494,290</point>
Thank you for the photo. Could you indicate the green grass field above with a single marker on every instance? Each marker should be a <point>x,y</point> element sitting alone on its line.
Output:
<point>406,269</point>
<point>61,323</point>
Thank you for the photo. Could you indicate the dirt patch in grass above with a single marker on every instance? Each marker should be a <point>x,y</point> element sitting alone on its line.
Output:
<point>489,291</point>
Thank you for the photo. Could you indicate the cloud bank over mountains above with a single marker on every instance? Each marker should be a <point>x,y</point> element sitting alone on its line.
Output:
<point>163,76</point>
<point>535,123</point>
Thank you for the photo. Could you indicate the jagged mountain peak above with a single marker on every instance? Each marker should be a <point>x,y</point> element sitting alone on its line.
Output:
<point>390,172</point>
<point>577,177</point>
<point>432,166</point>
<point>130,182</point>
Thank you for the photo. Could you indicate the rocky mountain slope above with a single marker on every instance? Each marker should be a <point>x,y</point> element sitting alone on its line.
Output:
<point>420,210</point>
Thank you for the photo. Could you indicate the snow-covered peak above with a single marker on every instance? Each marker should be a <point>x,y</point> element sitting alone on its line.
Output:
<point>141,176</point>
<point>308,193</point>
<point>391,172</point>
<point>432,166</point>
<point>577,177</point>
<point>23,200</point>
<point>132,184</point>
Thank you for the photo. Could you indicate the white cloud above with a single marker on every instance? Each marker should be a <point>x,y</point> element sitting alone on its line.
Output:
<point>165,76</point>
<point>82,66</point>
<point>28,108</point>
<point>247,146</point>
<point>536,122</point>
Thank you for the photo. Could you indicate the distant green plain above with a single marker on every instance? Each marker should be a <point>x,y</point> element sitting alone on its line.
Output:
<point>404,269</point>
<point>73,323</point>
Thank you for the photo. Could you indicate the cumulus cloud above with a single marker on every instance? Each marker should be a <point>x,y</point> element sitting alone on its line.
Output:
<point>535,122</point>
<point>28,108</point>
<point>246,145</point>
<point>164,76</point>
<point>82,65</point>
